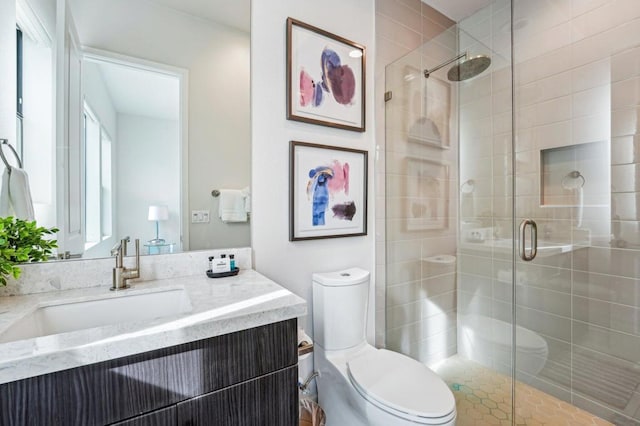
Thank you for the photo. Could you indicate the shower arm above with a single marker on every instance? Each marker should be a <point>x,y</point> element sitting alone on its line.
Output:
<point>427,72</point>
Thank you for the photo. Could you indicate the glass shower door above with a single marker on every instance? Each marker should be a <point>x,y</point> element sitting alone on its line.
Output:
<point>578,300</point>
<point>448,214</point>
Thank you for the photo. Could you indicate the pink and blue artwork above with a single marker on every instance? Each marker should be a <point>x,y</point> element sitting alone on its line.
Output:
<point>328,190</point>
<point>325,184</point>
<point>325,78</point>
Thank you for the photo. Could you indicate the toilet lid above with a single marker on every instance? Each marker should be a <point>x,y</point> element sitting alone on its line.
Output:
<point>407,387</point>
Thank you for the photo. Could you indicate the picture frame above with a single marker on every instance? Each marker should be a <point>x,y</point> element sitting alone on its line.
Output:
<point>328,191</point>
<point>429,109</point>
<point>325,78</point>
<point>427,203</point>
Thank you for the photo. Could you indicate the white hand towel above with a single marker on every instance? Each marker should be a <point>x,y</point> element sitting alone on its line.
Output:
<point>20,194</point>
<point>231,206</point>
<point>247,199</point>
<point>5,206</point>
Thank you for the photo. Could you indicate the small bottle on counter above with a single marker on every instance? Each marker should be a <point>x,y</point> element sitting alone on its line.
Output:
<point>211,263</point>
<point>232,261</point>
<point>220,265</point>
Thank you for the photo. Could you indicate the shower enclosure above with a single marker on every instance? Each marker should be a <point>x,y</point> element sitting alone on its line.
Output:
<point>512,221</point>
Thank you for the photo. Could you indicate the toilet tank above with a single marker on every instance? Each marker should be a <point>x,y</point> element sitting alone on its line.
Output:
<point>340,308</point>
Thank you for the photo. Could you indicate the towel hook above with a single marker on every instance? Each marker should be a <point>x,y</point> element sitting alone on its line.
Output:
<point>4,142</point>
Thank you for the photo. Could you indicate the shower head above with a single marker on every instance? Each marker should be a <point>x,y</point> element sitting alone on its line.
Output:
<point>466,69</point>
<point>469,68</point>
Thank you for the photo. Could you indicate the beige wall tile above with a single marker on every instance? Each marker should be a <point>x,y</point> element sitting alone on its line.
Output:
<point>544,323</point>
<point>608,288</point>
<point>625,149</point>
<point>401,13</point>
<point>603,340</point>
<point>616,317</point>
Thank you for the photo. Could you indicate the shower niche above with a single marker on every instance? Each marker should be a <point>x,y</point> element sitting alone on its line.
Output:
<point>575,175</point>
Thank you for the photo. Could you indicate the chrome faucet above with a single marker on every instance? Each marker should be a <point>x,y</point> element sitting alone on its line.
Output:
<point>121,274</point>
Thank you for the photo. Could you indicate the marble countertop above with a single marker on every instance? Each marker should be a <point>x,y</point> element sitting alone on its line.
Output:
<point>220,306</point>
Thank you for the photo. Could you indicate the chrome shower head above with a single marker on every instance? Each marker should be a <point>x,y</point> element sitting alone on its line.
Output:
<point>469,68</point>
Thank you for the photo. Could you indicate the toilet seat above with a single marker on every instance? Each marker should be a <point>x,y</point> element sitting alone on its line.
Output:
<point>402,386</point>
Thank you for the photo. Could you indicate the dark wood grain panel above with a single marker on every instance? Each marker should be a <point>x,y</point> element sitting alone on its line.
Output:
<point>17,401</point>
<point>235,358</point>
<point>118,389</point>
<point>165,417</point>
<point>266,401</point>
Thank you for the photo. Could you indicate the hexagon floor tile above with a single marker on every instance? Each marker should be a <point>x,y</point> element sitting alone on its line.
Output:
<point>483,398</point>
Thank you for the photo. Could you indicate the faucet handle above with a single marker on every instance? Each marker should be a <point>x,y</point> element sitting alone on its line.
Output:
<point>115,250</point>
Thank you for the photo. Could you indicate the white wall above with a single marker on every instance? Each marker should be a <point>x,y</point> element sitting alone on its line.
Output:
<point>97,96</point>
<point>217,58</point>
<point>292,263</point>
<point>147,153</point>
<point>8,71</point>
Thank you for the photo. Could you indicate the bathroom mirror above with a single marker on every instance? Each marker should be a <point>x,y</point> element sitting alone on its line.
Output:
<point>129,114</point>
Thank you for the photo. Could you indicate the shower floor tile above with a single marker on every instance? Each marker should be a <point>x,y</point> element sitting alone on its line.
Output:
<point>483,397</point>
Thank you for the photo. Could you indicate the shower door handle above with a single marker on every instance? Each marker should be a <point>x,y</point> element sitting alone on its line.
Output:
<point>531,224</point>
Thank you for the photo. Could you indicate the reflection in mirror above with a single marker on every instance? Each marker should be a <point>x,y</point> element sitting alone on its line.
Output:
<point>130,107</point>
<point>140,105</point>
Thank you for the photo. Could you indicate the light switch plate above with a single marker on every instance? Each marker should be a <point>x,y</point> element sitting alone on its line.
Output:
<point>200,216</point>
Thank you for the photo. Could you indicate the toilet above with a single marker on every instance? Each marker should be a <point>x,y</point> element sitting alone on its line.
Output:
<point>359,384</point>
<point>488,341</point>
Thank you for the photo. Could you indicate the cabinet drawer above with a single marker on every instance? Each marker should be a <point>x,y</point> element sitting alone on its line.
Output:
<point>268,400</point>
<point>164,417</point>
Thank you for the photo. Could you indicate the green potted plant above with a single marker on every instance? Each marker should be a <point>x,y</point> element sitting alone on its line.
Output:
<point>22,241</point>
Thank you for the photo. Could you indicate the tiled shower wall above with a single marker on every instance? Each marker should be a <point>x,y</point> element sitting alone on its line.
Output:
<point>577,75</point>
<point>416,299</point>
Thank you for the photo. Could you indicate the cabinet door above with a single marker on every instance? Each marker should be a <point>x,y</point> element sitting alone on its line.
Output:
<point>268,400</point>
<point>164,417</point>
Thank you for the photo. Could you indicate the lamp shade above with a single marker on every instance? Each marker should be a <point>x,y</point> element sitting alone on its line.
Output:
<point>158,213</point>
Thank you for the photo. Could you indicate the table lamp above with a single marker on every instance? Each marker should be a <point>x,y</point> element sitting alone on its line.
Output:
<point>158,213</point>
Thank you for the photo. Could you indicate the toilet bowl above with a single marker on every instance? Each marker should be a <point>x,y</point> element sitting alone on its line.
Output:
<point>488,341</point>
<point>359,384</point>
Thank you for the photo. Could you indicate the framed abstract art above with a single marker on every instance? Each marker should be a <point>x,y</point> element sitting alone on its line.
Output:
<point>328,192</point>
<point>325,78</point>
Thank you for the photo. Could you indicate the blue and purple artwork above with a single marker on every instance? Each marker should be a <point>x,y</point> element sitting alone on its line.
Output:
<point>326,182</point>
<point>337,80</point>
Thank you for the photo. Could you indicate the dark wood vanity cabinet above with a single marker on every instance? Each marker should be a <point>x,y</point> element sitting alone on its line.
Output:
<point>256,402</point>
<point>244,378</point>
<point>164,417</point>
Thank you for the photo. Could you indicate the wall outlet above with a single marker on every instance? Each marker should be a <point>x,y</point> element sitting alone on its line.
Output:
<point>200,216</point>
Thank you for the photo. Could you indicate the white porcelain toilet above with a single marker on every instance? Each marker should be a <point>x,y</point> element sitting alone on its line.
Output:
<point>359,384</point>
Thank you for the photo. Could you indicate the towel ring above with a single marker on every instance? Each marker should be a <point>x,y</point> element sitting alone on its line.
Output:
<point>569,180</point>
<point>4,142</point>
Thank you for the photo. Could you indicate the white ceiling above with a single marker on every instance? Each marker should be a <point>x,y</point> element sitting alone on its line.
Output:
<point>457,9</point>
<point>143,93</point>
<point>234,13</point>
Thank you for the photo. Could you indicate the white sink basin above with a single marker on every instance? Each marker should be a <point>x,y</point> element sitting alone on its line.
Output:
<point>71,316</point>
